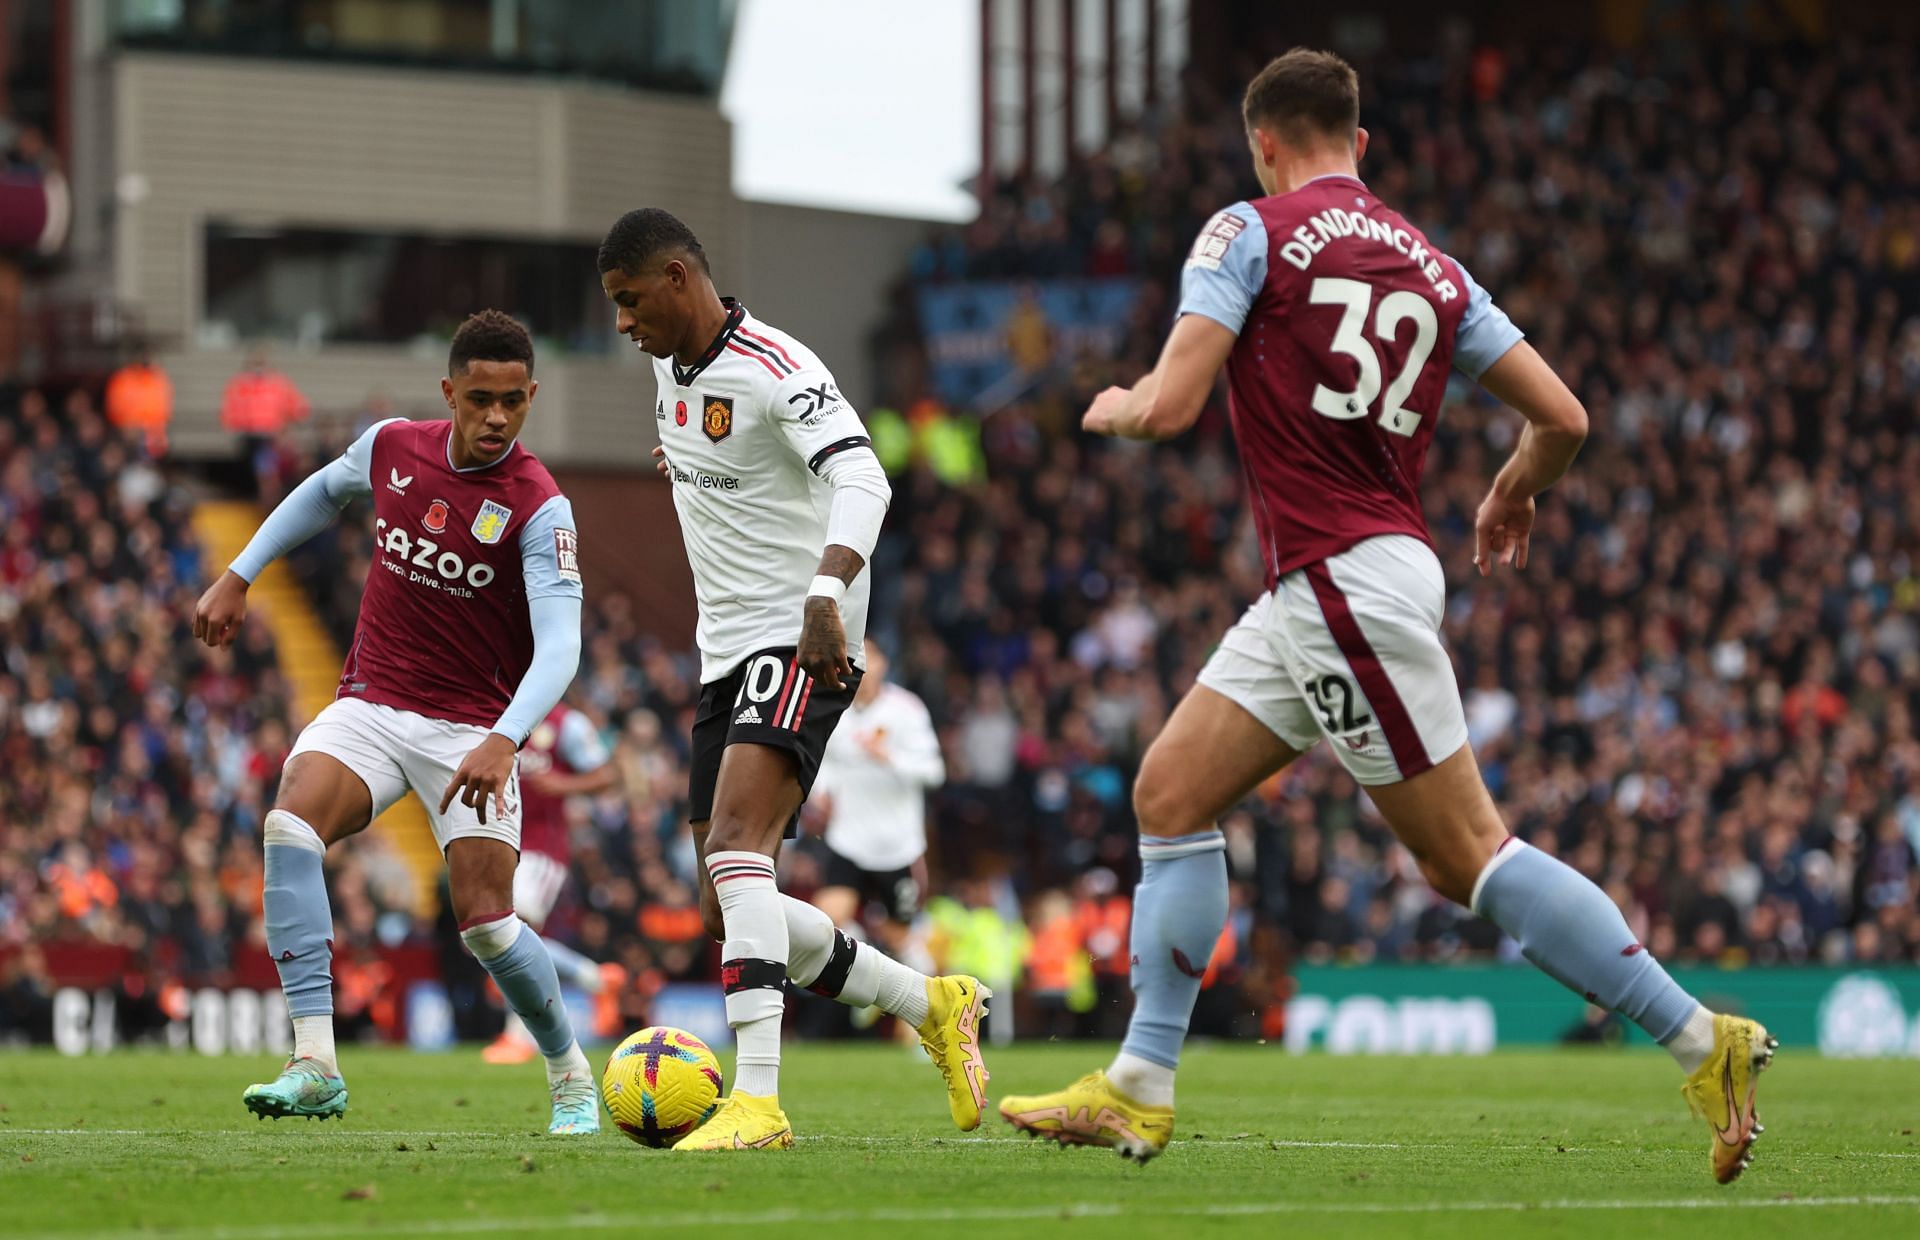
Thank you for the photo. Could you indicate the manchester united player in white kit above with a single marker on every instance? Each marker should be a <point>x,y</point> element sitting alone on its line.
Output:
<point>780,500</point>
<point>1338,323</point>
<point>469,632</point>
<point>879,766</point>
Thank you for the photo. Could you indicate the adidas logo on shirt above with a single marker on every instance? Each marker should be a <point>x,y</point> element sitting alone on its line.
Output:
<point>750,715</point>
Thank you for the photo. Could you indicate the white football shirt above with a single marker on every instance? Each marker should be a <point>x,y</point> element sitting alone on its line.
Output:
<point>746,430</point>
<point>878,817</point>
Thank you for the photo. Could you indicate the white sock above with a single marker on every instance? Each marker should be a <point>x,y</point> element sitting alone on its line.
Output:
<point>313,1039</point>
<point>753,964</point>
<point>757,1063</point>
<point>573,1062</point>
<point>874,978</point>
<point>897,990</point>
<point>1142,1080</point>
<point>810,940</point>
<point>1694,1043</point>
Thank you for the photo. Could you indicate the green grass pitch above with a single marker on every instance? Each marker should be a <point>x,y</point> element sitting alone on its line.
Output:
<point>1535,1144</point>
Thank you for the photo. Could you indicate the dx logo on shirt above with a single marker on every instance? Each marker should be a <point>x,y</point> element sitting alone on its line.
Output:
<point>811,400</point>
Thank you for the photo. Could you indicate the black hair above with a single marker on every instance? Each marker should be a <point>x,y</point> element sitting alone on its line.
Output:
<point>640,236</point>
<point>490,336</point>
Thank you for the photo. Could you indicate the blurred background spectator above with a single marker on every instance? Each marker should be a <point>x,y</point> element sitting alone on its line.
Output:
<point>259,404</point>
<point>1702,692</point>
<point>140,398</point>
<point>138,763</point>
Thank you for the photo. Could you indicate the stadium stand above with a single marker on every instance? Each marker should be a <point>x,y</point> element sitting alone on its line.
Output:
<point>138,764</point>
<point>1711,712</point>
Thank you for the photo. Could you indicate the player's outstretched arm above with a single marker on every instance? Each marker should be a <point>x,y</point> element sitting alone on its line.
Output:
<point>823,431</point>
<point>1222,276</point>
<point>861,494</point>
<point>549,562</point>
<point>1556,427</point>
<point>487,769</point>
<point>861,498</point>
<point>1169,399</point>
<point>308,508</point>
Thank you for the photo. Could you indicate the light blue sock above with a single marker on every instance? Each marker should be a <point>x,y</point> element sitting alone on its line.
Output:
<point>1575,934</point>
<point>1178,910</point>
<point>519,964</point>
<point>574,969</point>
<point>299,919</point>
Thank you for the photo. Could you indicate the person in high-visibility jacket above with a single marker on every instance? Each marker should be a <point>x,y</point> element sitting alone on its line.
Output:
<point>259,403</point>
<point>260,400</point>
<point>140,398</point>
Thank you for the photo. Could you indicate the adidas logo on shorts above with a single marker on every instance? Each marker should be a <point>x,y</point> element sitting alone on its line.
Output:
<point>750,715</point>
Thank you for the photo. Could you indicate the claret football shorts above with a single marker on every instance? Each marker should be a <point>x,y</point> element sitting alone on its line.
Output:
<point>1349,649</point>
<point>394,750</point>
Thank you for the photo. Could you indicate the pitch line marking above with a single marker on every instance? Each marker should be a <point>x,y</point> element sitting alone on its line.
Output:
<point>385,1134</point>
<point>1086,1209</point>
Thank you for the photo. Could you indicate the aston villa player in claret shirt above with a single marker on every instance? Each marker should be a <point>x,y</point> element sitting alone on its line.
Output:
<point>1340,325</point>
<point>469,633</point>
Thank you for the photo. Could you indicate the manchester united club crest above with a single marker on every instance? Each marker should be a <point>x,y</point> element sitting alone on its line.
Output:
<point>717,420</point>
<point>436,517</point>
<point>492,522</point>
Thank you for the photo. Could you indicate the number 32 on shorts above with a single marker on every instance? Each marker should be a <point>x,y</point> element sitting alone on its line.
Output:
<point>1333,698</point>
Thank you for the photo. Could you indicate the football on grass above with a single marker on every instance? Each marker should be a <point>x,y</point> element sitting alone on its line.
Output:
<point>661,1084</point>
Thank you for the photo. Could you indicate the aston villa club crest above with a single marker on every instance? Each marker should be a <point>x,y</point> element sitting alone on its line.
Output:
<point>492,522</point>
<point>436,518</point>
<point>717,420</point>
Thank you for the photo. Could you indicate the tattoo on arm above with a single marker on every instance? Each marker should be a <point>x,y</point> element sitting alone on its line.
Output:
<point>842,562</point>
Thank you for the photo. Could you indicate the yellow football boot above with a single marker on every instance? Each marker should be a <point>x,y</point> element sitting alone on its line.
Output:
<point>1722,1091</point>
<point>951,1038</point>
<point>1092,1112</point>
<point>743,1122</point>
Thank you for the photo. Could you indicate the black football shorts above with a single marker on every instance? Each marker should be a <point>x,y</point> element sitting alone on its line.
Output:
<point>767,700</point>
<point>898,891</point>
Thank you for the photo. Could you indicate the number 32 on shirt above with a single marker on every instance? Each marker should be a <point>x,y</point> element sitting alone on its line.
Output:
<point>1355,298</point>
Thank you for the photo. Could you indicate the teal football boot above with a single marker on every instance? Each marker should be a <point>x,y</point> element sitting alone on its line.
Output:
<point>300,1089</point>
<point>576,1107</point>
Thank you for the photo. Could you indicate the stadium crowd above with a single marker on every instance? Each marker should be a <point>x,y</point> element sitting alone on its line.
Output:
<point>138,763</point>
<point>1702,692</point>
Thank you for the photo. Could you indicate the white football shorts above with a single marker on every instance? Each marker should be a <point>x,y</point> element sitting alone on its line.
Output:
<point>394,750</point>
<point>1349,649</point>
<point>537,881</point>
